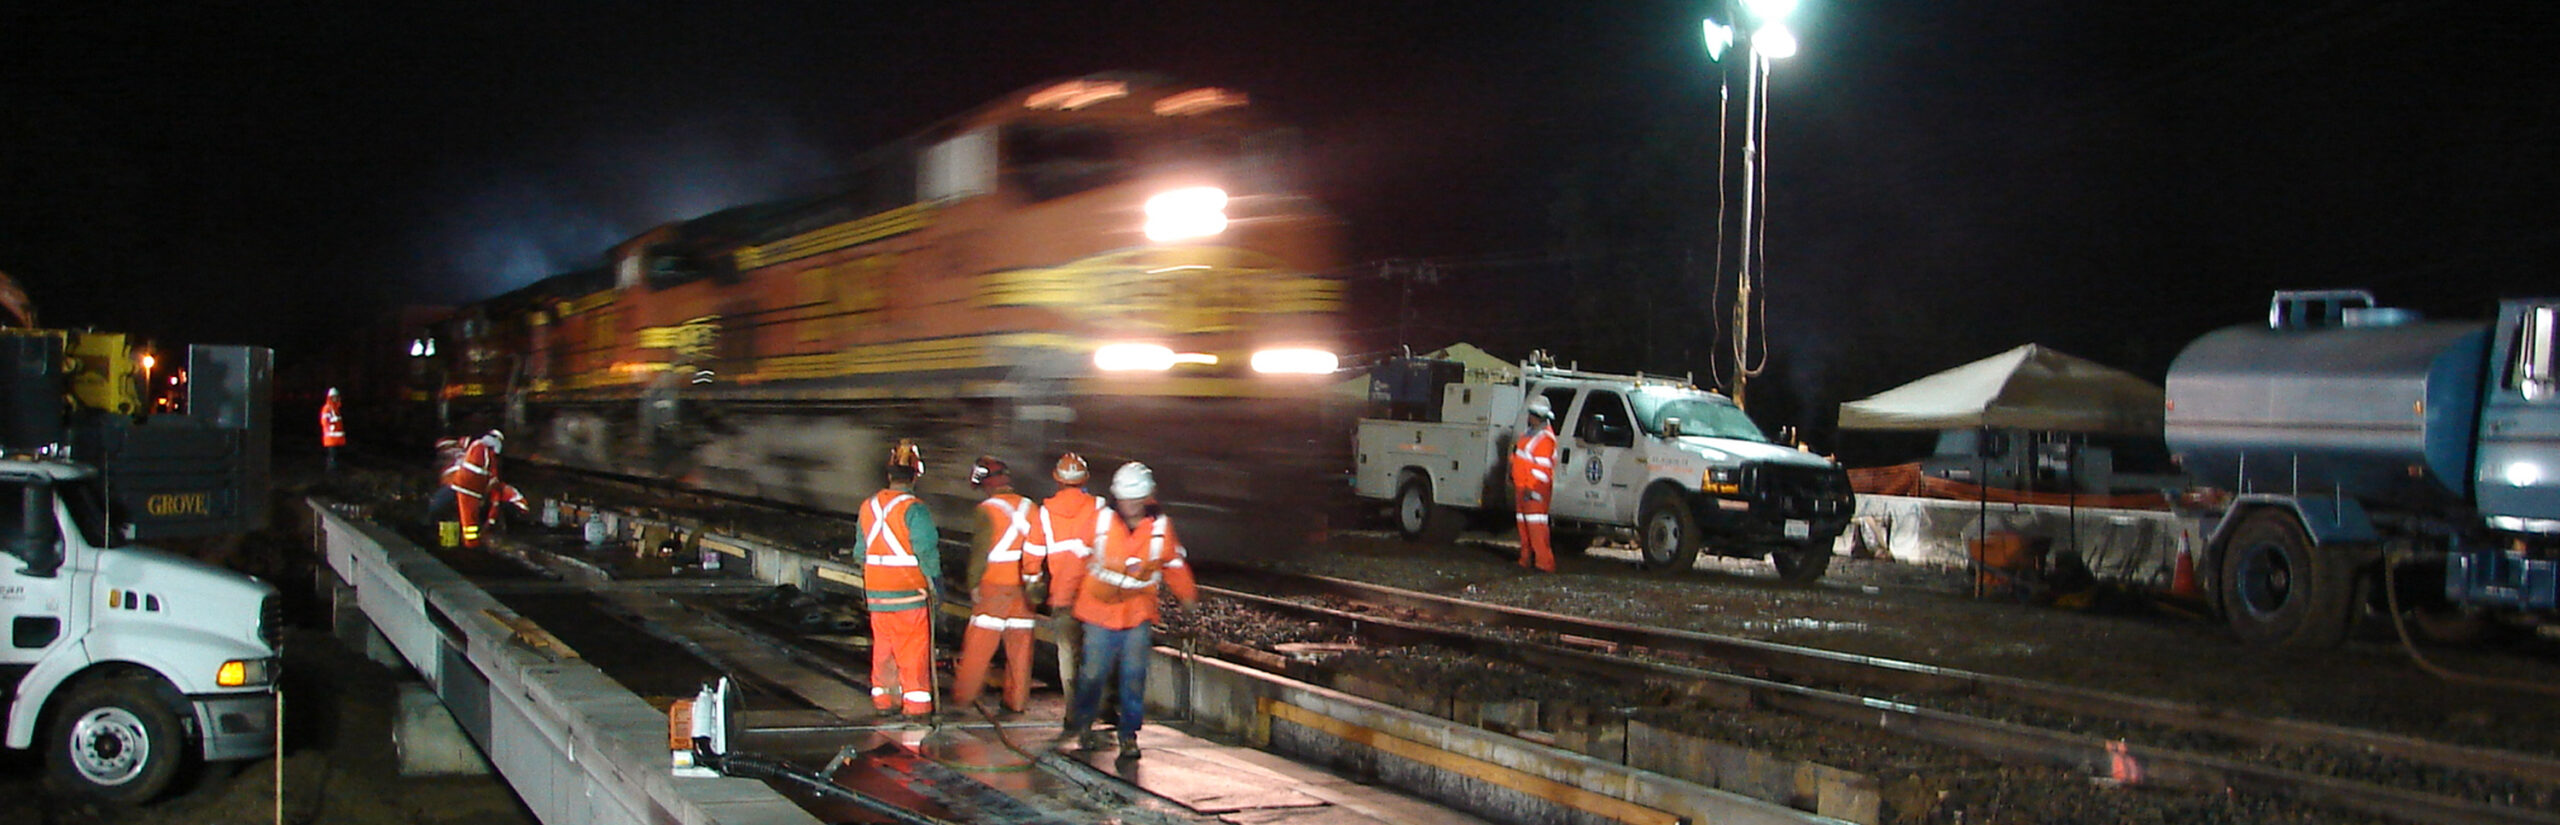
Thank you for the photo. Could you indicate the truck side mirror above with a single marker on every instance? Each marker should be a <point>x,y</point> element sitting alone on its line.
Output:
<point>2534,374</point>
<point>1671,427</point>
<point>38,541</point>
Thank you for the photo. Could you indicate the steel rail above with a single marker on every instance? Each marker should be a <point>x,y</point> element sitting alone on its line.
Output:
<point>2111,759</point>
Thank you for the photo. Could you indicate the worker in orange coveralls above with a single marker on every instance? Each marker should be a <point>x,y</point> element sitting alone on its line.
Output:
<point>998,572</point>
<point>1533,485</point>
<point>473,479</point>
<point>900,561</point>
<point>1062,540</point>
<point>333,429</point>
<point>1134,551</point>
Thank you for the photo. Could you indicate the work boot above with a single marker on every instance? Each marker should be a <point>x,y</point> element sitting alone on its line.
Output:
<point>1128,746</point>
<point>1075,728</point>
<point>1093,740</point>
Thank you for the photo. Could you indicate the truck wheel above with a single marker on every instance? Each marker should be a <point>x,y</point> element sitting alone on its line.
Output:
<point>1801,563</point>
<point>1419,519</point>
<point>2278,590</point>
<point>115,741</point>
<point>1670,533</point>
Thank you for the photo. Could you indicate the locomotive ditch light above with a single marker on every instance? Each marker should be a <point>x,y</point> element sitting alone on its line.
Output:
<point>1133,358</point>
<point>1180,214</point>
<point>1295,361</point>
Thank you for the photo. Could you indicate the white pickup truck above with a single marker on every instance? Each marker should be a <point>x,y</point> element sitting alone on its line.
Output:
<point>1681,467</point>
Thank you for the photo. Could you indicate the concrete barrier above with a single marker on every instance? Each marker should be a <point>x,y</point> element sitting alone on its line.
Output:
<point>576,747</point>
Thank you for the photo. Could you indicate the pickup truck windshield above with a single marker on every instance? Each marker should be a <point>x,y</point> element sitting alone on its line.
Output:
<point>1699,415</point>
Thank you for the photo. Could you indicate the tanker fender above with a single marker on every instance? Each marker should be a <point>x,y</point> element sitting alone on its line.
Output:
<point>2331,520</point>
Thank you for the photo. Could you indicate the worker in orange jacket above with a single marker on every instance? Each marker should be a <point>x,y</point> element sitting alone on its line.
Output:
<point>1533,484</point>
<point>333,429</point>
<point>1134,552</point>
<point>999,569</point>
<point>901,560</point>
<point>473,479</point>
<point>1062,541</point>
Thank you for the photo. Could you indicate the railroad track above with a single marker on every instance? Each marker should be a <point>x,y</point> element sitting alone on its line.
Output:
<point>2210,751</point>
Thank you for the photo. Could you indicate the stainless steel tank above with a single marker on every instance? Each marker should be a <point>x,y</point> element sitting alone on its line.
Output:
<point>2373,412</point>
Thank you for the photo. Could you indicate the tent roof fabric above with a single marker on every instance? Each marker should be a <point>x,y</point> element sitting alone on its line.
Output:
<point>2027,388</point>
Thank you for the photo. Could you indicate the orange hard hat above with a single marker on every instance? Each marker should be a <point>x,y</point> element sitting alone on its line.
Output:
<point>1071,469</point>
<point>907,456</point>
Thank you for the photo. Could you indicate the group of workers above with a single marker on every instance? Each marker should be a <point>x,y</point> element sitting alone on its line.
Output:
<point>1098,569</point>
<point>467,481</point>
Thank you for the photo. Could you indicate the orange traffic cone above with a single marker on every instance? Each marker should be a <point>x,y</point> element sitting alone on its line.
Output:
<point>2182,583</point>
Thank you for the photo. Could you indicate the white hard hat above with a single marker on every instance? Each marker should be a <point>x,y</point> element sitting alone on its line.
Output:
<point>1133,482</point>
<point>497,440</point>
<point>1539,407</point>
<point>333,392</point>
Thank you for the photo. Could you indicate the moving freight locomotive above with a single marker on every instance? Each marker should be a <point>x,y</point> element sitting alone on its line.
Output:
<point>1114,264</point>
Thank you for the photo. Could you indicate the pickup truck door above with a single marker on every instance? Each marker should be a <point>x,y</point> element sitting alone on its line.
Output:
<point>36,602</point>
<point>2518,471</point>
<point>1596,466</point>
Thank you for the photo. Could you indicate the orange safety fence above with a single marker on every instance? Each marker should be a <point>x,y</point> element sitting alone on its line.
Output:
<point>1907,480</point>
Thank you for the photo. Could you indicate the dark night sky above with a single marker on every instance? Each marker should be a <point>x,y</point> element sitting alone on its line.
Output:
<point>1948,179</point>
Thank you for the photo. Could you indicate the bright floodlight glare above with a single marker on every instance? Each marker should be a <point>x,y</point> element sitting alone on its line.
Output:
<point>1769,10</point>
<point>1132,358</point>
<point>1774,42</point>
<point>1196,212</point>
<point>1295,361</point>
<point>1719,40</point>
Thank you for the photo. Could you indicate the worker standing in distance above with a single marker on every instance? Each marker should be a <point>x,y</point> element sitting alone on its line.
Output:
<point>473,479</point>
<point>900,561</point>
<point>333,429</point>
<point>1134,551</point>
<point>1062,541</point>
<point>998,572</point>
<point>1533,484</point>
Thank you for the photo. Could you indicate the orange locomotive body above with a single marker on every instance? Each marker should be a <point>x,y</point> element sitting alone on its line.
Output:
<point>1114,264</point>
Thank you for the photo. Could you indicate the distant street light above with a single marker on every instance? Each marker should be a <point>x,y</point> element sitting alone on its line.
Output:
<point>1770,41</point>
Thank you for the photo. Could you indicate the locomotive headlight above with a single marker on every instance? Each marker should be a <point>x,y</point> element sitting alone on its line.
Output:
<point>1196,212</point>
<point>1295,361</point>
<point>1133,358</point>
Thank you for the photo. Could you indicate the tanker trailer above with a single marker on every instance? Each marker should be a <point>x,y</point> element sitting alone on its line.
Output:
<point>2342,447</point>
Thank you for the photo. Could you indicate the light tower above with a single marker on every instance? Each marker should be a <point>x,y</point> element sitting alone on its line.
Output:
<point>1769,40</point>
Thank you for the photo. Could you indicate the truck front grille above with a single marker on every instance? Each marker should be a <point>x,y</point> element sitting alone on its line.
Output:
<point>1802,491</point>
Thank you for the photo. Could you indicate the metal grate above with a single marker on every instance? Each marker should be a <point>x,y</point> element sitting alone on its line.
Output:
<point>271,622</point>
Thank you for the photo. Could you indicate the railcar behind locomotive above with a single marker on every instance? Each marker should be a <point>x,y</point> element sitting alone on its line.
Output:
<point>1115,264</point>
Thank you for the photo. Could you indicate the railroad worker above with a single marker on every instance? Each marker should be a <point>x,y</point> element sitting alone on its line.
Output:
<point>473,480</point>
<point>901,560</point>
<point>1533,484</point>
<point>1062,541</point>
<point>333,429</point>
<point>1134,551</point>
<point>998,572</point>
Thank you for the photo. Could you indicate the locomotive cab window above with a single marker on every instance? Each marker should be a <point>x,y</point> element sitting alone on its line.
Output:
<point>1047,161</point>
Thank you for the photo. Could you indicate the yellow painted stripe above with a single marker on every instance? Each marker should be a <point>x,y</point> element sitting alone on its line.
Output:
<point>1536,786</point>
<point>840,576</point>
<point>855,232</point>
<point>709,543</point>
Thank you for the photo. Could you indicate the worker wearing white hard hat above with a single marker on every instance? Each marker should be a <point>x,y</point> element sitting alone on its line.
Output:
<point>1533,484</point>
<point>474,482</point>
<point>1135,553</point>
<point>333,429</point>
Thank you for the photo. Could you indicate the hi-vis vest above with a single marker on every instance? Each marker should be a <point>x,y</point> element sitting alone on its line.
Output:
<point>333,428</point>
<point>471,475</point>
<point>1533,462</point>
<point>1117,571</point>
<point>892,579</point>
<point>1011,513</point>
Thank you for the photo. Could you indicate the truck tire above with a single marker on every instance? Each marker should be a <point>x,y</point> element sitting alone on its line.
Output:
<point>2279,590</point>
<point>116,741</point>
<point>1418,519</point>
<point>1801,563</point>
<point>1667,533</point>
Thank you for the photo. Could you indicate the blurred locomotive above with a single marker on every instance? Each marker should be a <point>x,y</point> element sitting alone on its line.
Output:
<point>1114,264</point>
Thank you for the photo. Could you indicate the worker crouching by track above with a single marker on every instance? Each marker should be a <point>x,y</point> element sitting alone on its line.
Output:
<point>1134,551</point>
<point>473,481</point>
<point>900,561</point>
<point>999,570</point>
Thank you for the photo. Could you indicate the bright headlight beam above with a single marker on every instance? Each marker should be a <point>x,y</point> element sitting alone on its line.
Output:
<point>1196,212</point>
<point>1133,358</point>
<point>1295,361</point>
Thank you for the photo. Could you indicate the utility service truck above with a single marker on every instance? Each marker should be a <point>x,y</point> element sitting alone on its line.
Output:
<point>1682,468</point>
<point>130,668</point>
<point>2357,460</point>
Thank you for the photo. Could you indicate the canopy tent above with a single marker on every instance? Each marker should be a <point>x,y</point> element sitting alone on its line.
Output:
<point>2028,388</point>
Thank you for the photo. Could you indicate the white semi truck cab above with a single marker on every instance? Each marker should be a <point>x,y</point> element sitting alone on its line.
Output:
<point>1682,468</point>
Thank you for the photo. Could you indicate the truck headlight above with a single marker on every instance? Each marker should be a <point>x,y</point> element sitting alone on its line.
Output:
<point>1295,361</point>
<point>1725,480</point>
<point>1196,212</point>
<point>245,672</point>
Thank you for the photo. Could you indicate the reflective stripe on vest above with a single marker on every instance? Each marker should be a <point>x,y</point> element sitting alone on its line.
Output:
<point>1017,525</point>
<point>1057,544</point>
<point>880,532</point>
<point>1124,581</point>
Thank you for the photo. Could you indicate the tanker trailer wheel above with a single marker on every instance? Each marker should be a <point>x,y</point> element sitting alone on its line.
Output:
<point>1419,519</point>
<point>115,741</point>
<point>2280,590</point>
<point>1801,563</point>
<point>1667,533</point>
